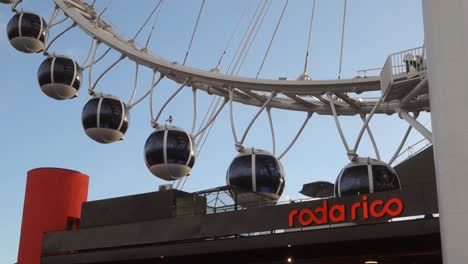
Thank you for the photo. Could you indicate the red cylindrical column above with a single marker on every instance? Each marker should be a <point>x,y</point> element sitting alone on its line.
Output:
<point>52,196</point>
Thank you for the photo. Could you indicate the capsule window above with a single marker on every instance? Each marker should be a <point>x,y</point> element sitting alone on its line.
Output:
<point>31,25</point>
<point>385,179</point>
<point>192,158</point>
<point>126,121</point>
<point>110,114</point>
<point>79,77</point>
<point>13,27</point>
<point>267,173</point>
<point>64,71</point>
<point>89,115</point>
<point>154,149</point>
<point>240,172</point>
<point>177,147</point>
<point>354,180</point>
<point>45,72</point>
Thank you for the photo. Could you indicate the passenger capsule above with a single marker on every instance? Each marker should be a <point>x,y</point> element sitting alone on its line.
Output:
<point>257,177</point>
<point>60,77</point>
<point>105,118</point>
<point>366,175</point>
<point>169,153</point>
<point>27,32</point>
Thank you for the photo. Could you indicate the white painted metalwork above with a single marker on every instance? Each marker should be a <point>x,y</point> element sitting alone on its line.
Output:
<point>415,124</point>
<point>155,120</point>
<point>309,115</point>
<point>446,36</point>
<point>217,82</point>
<point>272,129</point>
<point>255,118</point>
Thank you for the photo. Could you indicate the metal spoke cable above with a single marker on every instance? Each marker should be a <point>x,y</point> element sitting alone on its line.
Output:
<point>204,136</point>
<point>57,23</point>
<point>105,9</point>
<point>194,31</point>
<point>250,33</point>
<point>153,85</point>
<point>207,113</point>
<point>98,59</point>
<point>233,33</point>
<point>309,115</point>
<point>342,38</point>
<point>251,37</point>
<point>88,56</point>
<point>213,117</point>
<point>168,101</point>
<point>151,90</point>
<point>256,22</point>
<point>53,16</point>
<point>194,123</point>
<point>231,115</point>
<point>147,20</point>
<point>236,54</point>
<point>122,57</point>
<point>135,84</point>
<point>255,117</point>
<point>337,122</point>
<point>272,38</point>
<point>58,36</point>
<point>403,141</point>
<point>254,37</point>
<point>90,72</point>
<point>371,136</point>
<point>270,120</point>
<point>306,62</point>
<point>154,25</point>
<point>366,123</point>
<point>210,121</point>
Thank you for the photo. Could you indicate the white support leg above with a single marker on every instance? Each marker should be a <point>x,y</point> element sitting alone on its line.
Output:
<point>446,34</point>
<point>415,124</point>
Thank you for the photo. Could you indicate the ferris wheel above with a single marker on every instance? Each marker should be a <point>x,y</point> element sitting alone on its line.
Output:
<point>170,151</point>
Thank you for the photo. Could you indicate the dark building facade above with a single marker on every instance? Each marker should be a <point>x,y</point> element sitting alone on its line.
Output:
<point>176,227</point>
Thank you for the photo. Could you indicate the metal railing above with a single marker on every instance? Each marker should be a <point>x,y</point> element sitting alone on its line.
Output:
<point>412,150</point>
<point>408,63</point>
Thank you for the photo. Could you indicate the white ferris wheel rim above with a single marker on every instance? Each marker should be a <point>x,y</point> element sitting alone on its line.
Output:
<point>250,91</point>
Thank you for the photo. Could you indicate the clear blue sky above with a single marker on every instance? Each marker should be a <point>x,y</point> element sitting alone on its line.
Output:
<point>37,131</point>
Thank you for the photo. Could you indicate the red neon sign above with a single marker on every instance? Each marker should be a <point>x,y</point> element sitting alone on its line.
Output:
<point>337,213</point>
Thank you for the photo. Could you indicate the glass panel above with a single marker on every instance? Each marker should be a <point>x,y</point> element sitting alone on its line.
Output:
<point>282,187</point>
<point>177,147</point>
<point>79,78</point>
<point>355,180</point>
<point>154,148</point>
<point>89,114</point>
<point>64,71</point>
<point>110,114</point>
<point>13,27</point>
<point>126,120</point>
<point>385,178</point>
<point>43,36</point>
<point>268,173</point>
<point>192,155</point>
<point>30,25</point>
<point>43,74</point>
<point>240,172</point>
<point>335,187</point>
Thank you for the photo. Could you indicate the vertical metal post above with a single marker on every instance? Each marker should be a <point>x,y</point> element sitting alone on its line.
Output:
<point>446,36</point>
